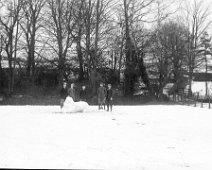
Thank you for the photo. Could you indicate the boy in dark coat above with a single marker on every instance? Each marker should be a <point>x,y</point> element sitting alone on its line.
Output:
<point>83,94</point>
<point>101,94</point>
<point>63,94</point>
<point>72,92</point>
<point>109,98</point>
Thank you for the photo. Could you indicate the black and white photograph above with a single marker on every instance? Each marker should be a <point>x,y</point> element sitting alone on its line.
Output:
<point>106,84</point>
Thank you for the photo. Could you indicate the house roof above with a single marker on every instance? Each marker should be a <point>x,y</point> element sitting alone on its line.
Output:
<point>202,76</point>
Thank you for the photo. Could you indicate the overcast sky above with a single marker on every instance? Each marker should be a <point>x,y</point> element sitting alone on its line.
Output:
<point>175,4</point>
<point>205,3</point>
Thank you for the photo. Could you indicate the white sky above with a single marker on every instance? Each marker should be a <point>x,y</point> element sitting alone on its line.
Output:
<point>205,4</point>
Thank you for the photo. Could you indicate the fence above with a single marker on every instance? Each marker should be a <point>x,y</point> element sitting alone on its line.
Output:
<point>191,100</point>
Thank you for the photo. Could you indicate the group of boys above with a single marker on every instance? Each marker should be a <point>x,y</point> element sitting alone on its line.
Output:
<point>64,92</point>
<point>104,95</point>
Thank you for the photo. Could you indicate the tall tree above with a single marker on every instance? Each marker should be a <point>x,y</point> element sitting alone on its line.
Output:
<point>78,14</point>
<point>205,41</point>
<point>30,24</point>
<point>10,22</point>
<point>197,16</point>
<point>1,50</point>
<point>59,26</point>
<point>134,12</point>
<point>95,13</point>
<point>159,44</point>
<point>169,57</point>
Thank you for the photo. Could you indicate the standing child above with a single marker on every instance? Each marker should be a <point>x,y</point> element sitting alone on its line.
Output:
<point>109,98</point>
<point>63,94</point>
<point>83,94</point>
<point>101,95</point>
<point>72,91</point>
<point>105,95</point>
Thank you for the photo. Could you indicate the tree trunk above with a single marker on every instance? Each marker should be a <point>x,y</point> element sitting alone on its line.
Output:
<point>33,55</point>
<point>1,72</point>
<point>61,70</point>
<point>10,58</point>
<point>129,70</point>
<point>190,77</point>
<point>93,79</point>
<point>80,56</point>
<point>29,63</point>
<point>10,77</point>
<point>15,56</point>
<point>95,56</point>
<point>120,58</point>
<point>144,75</point>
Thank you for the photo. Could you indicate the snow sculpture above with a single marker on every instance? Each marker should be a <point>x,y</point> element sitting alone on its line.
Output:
<point>71,106</point>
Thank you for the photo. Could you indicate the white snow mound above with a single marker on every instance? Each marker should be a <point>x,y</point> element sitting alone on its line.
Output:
<point>71,106</point>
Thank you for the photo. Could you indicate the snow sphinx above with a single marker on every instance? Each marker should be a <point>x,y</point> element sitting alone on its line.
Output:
<point>70,106</point>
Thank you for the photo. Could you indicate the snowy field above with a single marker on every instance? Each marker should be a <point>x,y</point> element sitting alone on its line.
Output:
<point>131,137</point>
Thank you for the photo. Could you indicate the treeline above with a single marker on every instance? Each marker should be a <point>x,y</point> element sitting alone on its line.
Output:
<point>98,35</point>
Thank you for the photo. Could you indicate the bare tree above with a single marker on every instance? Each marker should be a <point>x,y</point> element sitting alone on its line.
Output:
<point>59,26</point>
<point>198,19</point>
<point>10,22</point>
<point>205,40</point>
<point>30,24</point>
<point>134,14</point>
<point>160,42</point>
<point>95,16</point>
<point>78,14</point>
<point>1,50</point>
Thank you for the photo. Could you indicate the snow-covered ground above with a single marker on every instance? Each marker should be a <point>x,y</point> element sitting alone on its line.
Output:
<point>148,137</point>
